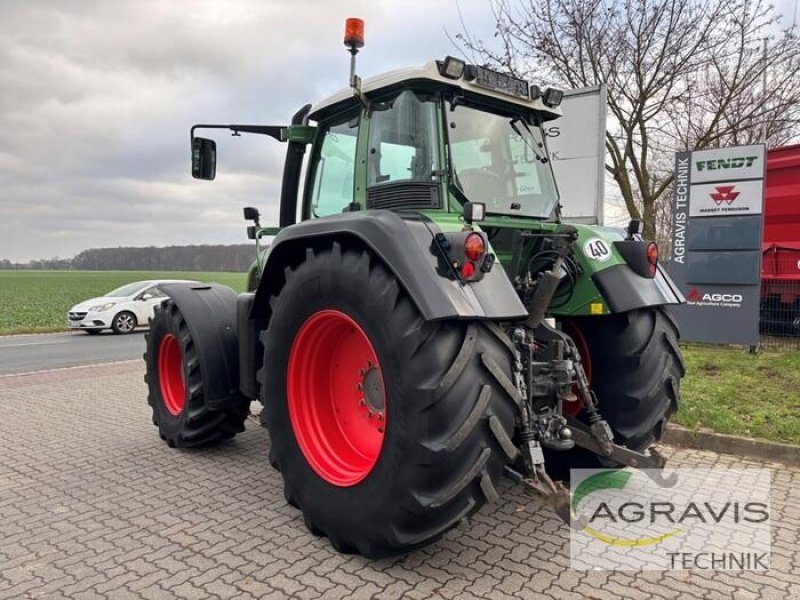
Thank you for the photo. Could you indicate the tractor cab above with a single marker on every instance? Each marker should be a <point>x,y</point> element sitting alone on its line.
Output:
<point>432,139</point>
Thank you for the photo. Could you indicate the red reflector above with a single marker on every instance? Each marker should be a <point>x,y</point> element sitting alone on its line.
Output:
<point>354,32</point>
<point>653,270</point>
<point>652,253</point>
<point>474,246</point>
<point>467,270</point>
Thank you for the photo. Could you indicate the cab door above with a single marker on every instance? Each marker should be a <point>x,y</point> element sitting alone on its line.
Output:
<point>331,186</point>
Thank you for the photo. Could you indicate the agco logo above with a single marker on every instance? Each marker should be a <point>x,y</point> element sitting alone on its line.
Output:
<point>695,296</point>
<point>725,194</point>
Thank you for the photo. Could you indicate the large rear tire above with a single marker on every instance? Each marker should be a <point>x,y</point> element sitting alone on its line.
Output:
<point>635,366</point>
<point>177,389</point>
<point>345,342</point>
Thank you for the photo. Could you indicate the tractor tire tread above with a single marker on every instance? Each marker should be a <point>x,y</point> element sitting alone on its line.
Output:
<point>459,415</point>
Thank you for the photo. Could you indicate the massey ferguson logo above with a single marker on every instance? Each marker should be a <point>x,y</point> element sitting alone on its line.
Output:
<point>725,194</point>
<point>705,299</point>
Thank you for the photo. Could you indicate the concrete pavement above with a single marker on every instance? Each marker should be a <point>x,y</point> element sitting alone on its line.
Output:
<point>94,505</point>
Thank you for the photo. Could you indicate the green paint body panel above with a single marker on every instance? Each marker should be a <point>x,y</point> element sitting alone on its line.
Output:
<point>303,134</point>
<point>586,298</point>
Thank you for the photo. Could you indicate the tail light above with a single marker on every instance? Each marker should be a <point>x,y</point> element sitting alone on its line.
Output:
<point>652,258</point>
<point>474,247</point>
<point>465,254</point>
<point>468,270</point>
<point>641,256</point>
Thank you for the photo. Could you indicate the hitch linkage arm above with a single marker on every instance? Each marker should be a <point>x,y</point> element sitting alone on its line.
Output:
<point>536,421</point>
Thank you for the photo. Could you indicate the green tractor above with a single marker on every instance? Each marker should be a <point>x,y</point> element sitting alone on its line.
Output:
<point>423,322</point>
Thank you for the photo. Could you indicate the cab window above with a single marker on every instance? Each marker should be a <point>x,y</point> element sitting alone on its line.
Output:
<point>332,186</point>
<point>402,141</point>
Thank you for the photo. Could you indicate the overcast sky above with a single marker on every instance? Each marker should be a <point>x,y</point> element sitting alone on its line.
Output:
<point>97,97</point>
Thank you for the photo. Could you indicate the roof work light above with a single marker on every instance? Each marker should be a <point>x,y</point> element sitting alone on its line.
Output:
<point>552,97</point>
<point>452,67</point>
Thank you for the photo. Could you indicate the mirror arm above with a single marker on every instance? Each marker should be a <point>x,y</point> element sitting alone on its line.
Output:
<point>277,132</point>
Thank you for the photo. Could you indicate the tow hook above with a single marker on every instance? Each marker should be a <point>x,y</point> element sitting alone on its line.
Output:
<point>653,461</point>
<point>555,494</point>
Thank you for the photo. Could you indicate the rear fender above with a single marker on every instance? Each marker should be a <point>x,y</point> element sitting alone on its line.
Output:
<point>404,242</point>
<point>607,283</point>
<point>209,310</point>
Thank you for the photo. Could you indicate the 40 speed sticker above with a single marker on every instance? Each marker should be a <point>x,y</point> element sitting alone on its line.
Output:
<point>597,249</point>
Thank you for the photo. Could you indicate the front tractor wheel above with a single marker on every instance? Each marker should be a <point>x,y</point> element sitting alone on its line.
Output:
<point>388,430</point>
<point>177,389</point>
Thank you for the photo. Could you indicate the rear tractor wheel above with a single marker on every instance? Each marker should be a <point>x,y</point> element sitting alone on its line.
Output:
<point>634,365</point>
<point>177,389</point>
<point>388,430</point>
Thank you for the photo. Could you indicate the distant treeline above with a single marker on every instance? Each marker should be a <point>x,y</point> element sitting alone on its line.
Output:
<point>171,258</point>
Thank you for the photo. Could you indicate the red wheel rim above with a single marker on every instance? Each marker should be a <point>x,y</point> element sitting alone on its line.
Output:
<point>336,397</point>
<point>572,330</point>
<point>170,374</point>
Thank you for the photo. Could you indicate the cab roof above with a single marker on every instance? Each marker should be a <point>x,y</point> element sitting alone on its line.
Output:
<point>426,73</point>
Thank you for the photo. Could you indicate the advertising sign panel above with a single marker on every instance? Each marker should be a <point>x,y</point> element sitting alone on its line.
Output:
<point>577,148</point>
<point>728,164</point>
<point>716,243</point>
<point>726,198</point>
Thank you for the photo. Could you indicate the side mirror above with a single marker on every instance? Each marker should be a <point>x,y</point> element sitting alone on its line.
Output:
<point>204,158</point>
<point>251,213</point>
<point>146,297</point>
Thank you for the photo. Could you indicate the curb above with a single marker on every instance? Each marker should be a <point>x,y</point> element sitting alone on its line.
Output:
<point>678,436</point>
<point>4,336</point>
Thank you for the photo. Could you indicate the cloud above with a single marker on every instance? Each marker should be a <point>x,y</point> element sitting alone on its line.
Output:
<point>97,97</point>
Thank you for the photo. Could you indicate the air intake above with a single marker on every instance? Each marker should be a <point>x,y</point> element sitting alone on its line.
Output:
<point>404,195</point>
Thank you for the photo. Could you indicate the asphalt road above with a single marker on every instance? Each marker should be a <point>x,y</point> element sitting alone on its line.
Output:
<point>24,353</point>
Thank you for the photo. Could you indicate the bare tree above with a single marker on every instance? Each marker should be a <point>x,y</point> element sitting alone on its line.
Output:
<point>681,75</point>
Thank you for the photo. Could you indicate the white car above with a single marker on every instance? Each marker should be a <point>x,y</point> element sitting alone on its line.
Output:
<point>122,309</point>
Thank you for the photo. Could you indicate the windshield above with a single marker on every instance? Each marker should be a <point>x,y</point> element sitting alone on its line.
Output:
<point>126,290</point>
<point>501,161</point>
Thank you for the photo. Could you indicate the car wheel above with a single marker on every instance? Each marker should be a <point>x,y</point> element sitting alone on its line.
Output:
<point>124,322</point>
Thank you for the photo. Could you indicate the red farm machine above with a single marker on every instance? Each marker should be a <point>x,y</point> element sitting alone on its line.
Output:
<point>780,269</point>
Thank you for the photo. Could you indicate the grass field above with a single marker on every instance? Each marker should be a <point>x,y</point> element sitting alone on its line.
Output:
<point>730,391</point>
<point>38,301</point>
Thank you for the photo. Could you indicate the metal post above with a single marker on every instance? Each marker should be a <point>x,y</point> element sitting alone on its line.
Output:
<point>353,52</point>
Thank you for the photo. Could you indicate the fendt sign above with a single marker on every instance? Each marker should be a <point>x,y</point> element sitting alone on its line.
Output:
<point>716,243</point>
